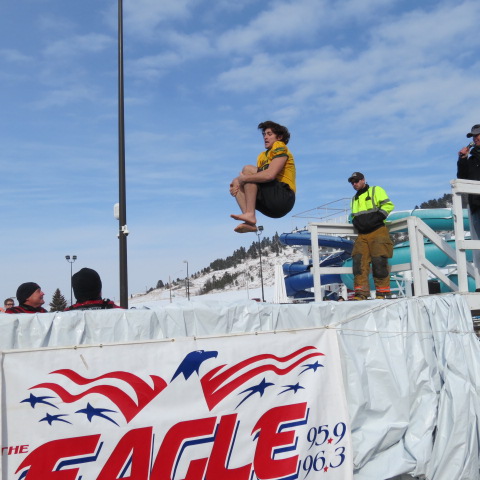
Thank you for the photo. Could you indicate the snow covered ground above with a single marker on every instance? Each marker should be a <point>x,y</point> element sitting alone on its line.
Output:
<point>162,297</point>
<point>247,286</point>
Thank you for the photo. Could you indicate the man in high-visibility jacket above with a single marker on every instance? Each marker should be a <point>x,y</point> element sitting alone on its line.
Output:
<point>370,207</point>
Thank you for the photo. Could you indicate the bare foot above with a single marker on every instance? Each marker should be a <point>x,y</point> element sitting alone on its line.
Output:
<point>245,228</point>
<point>245,217</point>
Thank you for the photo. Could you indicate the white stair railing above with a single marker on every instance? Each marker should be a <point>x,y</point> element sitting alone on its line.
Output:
<point>459,187</point>
<point>419,265</point>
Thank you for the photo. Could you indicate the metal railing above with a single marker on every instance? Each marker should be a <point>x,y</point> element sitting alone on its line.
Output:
<point>419,266</point>
<point>462,245</point>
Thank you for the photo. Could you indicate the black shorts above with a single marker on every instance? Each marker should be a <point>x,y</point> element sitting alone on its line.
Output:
<point>274,199</point>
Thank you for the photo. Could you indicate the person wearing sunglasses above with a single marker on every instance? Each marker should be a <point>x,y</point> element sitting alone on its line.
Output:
<point>373,246</point>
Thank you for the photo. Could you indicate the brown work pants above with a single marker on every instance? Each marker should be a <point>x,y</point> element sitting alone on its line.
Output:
<point>372,248</point>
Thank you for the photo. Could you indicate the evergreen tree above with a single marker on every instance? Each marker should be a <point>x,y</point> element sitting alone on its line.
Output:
<point>58,303</point>
<point>160,284</point>
<point>442,202</point>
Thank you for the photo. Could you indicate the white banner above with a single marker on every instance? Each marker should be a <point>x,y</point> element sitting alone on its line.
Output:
<point>266,406</point>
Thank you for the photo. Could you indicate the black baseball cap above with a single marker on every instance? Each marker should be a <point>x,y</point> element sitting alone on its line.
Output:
<point>355,176</point>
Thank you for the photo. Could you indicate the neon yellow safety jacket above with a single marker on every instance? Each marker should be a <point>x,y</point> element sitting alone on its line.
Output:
<point>370,207</point>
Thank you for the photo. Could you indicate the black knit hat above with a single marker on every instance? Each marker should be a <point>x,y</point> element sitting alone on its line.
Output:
<point>25,290</point>
<point>86,285</point>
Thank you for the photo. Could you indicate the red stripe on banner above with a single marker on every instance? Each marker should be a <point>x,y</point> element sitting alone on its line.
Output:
<point>123,401</point>
<point>214,393</point>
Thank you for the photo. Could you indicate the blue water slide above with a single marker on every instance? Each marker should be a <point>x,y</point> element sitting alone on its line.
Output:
<point>299,276</point>
<point>335,259</point>
<point>454,278</point>
<point>437,219</point>
<point>303,238</point>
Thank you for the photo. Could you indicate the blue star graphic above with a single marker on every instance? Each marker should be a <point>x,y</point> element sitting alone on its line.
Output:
<point>91,412</point>
<point>311,366</point>
<point>52,418</point>
<point>295,388</point>
<point>260,388</point>
<point>33,400</point>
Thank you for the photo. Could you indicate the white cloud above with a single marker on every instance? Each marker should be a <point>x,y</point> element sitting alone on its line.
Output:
<point>263,72</point>
<point>152,67</point>
<point>14,56</point>
<point>277,24</point>
<point>78,44</point>
<point>181,48</point>
<point>398,73</point>
<point>146,17</point>
<point>62,97</point>
<point>438,30</point>
<point>280,23</point>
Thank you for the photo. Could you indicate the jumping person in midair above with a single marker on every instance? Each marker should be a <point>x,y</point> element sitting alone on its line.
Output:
<point>268,187</point>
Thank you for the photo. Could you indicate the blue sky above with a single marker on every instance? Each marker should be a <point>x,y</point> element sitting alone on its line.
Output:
<point>387,87</point>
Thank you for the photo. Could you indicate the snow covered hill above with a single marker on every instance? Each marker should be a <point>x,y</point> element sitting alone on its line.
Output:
<point>247,284</point>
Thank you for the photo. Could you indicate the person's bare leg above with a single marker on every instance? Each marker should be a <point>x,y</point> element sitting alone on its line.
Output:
<point>241,200</point>
<point>246,199</point>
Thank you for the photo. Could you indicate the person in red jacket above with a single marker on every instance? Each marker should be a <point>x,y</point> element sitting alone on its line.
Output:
<point>30,299</point>
<point>87,288</point>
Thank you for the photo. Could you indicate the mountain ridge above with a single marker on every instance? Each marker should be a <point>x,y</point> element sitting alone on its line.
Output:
<point>245,276</point>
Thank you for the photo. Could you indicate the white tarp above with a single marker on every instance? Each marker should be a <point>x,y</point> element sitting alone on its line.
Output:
<point>410,368</point>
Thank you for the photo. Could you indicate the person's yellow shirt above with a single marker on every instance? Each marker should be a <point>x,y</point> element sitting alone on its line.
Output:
<point>288,173</point>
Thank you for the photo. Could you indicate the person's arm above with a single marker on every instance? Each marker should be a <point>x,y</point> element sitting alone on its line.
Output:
<point>463,153</point>
<point>234,187</point>
<point>462,163</point>
<point>383,202</point>
<point>275,167</point>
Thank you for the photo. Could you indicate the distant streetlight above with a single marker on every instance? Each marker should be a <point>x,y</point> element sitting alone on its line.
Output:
<point>187,286</point>
<point>259,232</point>
<point>71,260</point>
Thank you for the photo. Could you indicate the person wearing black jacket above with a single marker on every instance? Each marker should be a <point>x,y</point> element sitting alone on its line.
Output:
<point>468,168</point>
<point>30,299</point>
<point>87,288</point>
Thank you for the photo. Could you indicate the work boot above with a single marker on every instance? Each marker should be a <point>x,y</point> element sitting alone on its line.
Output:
<point>383,296</point>
<point>359,296</point>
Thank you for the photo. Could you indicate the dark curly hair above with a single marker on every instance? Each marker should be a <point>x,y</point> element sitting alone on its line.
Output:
<point>277,129</point>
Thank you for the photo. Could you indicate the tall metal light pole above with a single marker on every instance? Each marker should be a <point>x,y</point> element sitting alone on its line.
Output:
<point>187,285</point>
<point>123,230</point>
<point>71,260</point>
<point>259,231</point>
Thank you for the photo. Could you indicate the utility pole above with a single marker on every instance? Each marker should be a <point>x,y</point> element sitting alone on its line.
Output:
<point>123,230</point>
<point>259,232</point>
